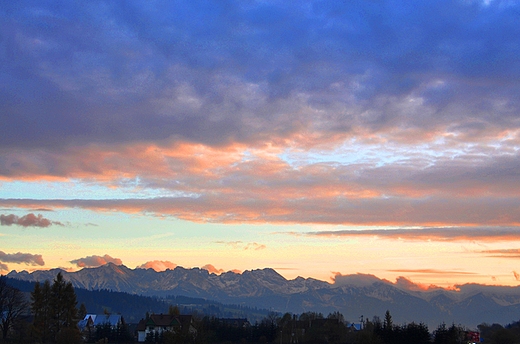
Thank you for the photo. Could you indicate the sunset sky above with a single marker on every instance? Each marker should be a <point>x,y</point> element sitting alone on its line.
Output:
<point>318,138</point>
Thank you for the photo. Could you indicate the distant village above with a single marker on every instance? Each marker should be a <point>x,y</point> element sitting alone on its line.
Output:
<point>51,315</point>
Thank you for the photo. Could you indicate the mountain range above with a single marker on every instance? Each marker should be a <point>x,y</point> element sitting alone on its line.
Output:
<point>354,296</point>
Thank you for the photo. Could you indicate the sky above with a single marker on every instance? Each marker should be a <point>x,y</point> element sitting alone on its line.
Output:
<point>319,138</point>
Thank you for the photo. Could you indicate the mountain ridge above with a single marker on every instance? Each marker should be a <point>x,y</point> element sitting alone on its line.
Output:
<point>354,296</point>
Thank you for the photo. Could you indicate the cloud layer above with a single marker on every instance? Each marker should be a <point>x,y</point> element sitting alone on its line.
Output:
<point>351,113</point>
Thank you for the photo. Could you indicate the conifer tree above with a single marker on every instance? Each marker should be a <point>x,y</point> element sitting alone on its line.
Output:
<point>54,309</point>
<point>40,307</point>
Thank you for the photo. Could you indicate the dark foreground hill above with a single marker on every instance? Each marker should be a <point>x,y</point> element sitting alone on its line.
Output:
<point>356,296</point>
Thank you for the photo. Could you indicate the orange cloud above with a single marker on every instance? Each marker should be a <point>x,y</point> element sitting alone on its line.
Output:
<point>95,261</point>
<point>212,270</point>
<point>517,275</point>
<point>158,265</point>
<point>236,184</point>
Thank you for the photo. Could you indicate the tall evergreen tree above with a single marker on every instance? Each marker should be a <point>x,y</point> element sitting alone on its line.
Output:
<point>40,308</point>
<point>63,305</point>
<point>54,309</point>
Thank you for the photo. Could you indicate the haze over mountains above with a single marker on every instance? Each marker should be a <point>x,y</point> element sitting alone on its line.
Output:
<point>353,295</point>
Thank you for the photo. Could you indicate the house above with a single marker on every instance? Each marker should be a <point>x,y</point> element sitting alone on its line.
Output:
<point>91,322</point>
<point>94,320</point>
<point>159,323</point>
<point>356,327</point>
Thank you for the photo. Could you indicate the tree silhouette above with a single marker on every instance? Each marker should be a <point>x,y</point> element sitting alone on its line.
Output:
<point>54,310</point>
<point>12,305</point>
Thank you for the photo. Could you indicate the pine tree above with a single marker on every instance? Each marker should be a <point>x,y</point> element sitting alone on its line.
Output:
<point>54,309</point>
<point>82,311</point>
<point>63,305</point>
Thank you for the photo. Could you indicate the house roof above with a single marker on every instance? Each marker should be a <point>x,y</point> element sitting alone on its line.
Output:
<point>102,319</point>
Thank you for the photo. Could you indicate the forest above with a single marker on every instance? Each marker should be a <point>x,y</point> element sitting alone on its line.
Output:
<point>50,314</point>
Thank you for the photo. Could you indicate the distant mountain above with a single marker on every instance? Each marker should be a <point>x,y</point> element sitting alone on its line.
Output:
<point>134,307</point>
<point>265,288</point>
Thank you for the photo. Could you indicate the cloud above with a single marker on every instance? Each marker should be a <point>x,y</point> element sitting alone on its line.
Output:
<point>4,268</point>
<point>404,283</point>
<point>357,280</point>
<point>272,113</point>
<point>503,253</point>
<point>407,284</point>
<point>212,270</point>
<point>29,220</point>
<point>95,261</point>
<point>244,246</point>
<point>19,258</point>
<point>517,275</point>
<point>264,70</point>
<point>434,234</point>
<point>158,265</point>
<point>254,246</point>
<point>434,272</point>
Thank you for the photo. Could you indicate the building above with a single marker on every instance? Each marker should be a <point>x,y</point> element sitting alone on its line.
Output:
<point>91,322</point>
<point>157,324</point>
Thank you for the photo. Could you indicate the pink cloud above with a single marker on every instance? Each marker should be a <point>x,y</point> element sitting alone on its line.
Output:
<point>212,270</point>
<point>236,184</point>
<point>407,284</point>
<point>95,261</point>
<point>158,265</point>
<point>19,258</point>
<point>29,220</point>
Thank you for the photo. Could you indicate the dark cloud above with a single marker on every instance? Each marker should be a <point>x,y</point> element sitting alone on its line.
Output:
<point>29,220</point>
<point>95,261</point>
<point>217,72</point>
<point>18,258</point>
